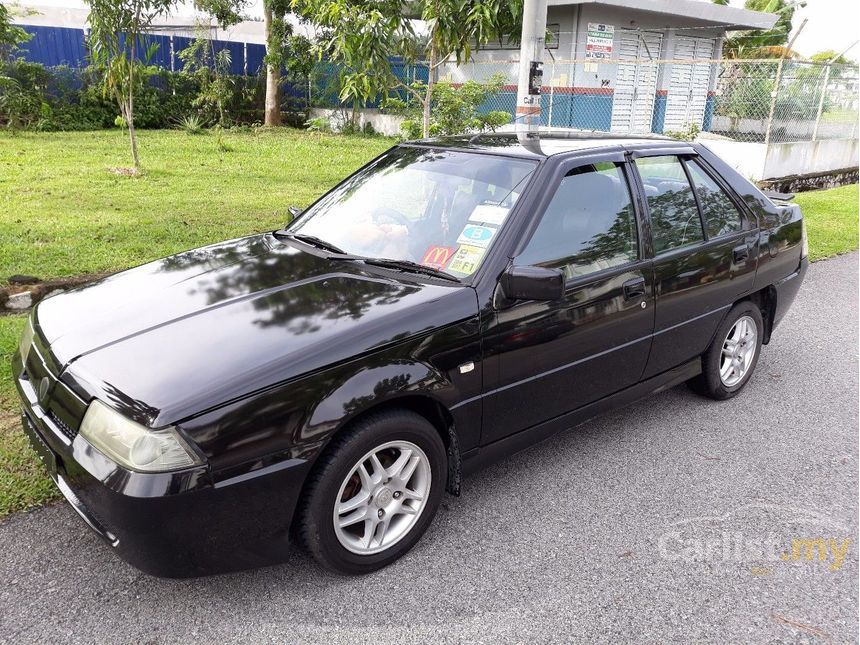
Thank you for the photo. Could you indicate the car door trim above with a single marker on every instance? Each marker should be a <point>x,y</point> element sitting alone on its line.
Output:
<point>554,370</point>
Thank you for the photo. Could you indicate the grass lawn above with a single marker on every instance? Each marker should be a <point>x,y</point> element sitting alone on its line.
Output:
<point>23,480</point>
<point>62,213</point>
<point>831,220</point>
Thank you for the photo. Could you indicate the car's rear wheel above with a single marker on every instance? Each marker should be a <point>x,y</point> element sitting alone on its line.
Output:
<point>374,492</point>
<point>732,357</point>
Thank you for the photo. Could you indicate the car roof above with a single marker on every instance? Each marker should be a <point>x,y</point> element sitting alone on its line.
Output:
<point>544,143</point>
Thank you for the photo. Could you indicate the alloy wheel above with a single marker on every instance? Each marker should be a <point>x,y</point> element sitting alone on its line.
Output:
<point>739,349</point>
<point>382,497</point>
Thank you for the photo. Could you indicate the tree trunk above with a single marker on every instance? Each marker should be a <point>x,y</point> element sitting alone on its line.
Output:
<point>130,109</point>
<point>273,75</point>
<point>431,81</point>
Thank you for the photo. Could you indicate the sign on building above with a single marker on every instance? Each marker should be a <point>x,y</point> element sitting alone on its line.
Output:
<point>598,43</point>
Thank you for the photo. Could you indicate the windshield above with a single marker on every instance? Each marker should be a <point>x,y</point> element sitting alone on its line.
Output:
<point>439,208</point>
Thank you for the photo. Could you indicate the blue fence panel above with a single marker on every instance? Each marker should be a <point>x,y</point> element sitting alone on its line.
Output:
<point>237,55</point>
<point>54,46</point>
<point>179,43</point>
<point>255,57</point>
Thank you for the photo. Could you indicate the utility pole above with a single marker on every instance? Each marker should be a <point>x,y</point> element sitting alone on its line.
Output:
<point>531,66</point>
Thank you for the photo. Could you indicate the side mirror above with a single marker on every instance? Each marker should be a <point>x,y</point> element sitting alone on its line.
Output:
<point>532,283</point>
<point>294,212</point>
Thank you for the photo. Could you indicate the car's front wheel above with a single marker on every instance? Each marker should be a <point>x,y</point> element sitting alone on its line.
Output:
<point>374,492</point>
<point>732,357</point>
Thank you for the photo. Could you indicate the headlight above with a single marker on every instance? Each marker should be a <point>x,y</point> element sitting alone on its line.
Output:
<point>133,445</point>
<point>26,340</point>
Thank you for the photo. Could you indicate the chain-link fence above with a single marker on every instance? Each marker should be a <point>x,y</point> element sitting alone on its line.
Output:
<point>744,100</point>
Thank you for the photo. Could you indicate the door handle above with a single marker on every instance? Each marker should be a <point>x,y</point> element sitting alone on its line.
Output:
<point>740,253</point>
<point>634,288</point>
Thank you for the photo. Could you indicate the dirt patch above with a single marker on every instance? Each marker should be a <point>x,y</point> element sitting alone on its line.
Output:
<point>43,288</point>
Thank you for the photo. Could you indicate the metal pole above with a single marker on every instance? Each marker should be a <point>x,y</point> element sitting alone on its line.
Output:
<point>531,66</point>
<point>821,102</point>
<point>824,88</point>
<point>775,93</point>
<point>551,91</point>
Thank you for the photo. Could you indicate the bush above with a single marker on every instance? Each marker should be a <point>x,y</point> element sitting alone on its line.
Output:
<point>453,110</point>
<point>63,98</point>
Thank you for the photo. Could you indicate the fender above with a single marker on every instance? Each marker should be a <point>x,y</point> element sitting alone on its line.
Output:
<point>369,386</point>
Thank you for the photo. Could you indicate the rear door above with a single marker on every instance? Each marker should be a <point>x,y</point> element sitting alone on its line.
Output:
<point>704,254</point>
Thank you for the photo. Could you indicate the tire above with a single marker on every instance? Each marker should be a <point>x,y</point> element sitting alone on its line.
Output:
<point>347,484</point>
<point>718,379</point>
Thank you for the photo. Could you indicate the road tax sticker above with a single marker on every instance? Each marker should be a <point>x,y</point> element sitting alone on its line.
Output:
<point>438,256</point>
<point>466,259</point>
<point>474,235</point>
<point>489,214</point>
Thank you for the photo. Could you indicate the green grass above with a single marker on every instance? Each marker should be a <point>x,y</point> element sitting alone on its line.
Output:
<point>63,213</point>
<point>831,220</point>
<point>23,480</point>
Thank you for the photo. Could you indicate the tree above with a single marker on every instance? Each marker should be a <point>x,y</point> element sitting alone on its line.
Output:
<point>11,36</point>
<point>279,43</point>
<point>363,35</point>
<point>116,34</point>
<point>764,44</point>
<point>212,68</point>
<point>831,56</point>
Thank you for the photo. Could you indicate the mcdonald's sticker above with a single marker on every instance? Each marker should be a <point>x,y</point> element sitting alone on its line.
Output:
<point>437,256</point>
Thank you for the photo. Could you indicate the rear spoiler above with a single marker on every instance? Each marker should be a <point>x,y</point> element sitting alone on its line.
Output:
<point>782,197</point>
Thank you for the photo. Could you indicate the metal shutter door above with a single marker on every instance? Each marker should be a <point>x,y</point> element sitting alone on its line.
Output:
<point>636,81</point>
<point>689,83</point>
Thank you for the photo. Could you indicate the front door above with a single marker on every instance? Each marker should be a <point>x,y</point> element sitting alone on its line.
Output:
<point>545,359</point>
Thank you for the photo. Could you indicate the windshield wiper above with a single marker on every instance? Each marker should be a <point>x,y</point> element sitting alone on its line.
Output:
<point>414,267</point>
<point>313,240</point>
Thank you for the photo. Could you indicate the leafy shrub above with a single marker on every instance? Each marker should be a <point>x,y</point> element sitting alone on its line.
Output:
<point>191,124</point>
<point>63,98</point>
<point>453,110</point>
<point>318,124</point>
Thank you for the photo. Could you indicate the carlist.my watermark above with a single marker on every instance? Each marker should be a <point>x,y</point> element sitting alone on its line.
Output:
<point>759,534</point>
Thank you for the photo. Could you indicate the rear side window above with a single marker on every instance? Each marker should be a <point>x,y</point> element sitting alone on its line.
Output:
<point>719,211</point>
<point>588,226</point>
<point>675,220</point>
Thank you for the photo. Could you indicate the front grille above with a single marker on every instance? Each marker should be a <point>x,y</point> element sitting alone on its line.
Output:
<point>63,426</point>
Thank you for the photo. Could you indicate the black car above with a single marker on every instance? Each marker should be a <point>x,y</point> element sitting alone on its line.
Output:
<point>451,302</point>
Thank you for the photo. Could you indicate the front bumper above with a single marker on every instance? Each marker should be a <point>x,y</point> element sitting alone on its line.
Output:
<point>177,524</point>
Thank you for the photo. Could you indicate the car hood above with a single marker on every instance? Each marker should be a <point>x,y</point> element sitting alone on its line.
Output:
<point>165,340</point>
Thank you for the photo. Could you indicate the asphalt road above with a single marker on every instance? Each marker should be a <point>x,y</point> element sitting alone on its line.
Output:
<point>667,520</point>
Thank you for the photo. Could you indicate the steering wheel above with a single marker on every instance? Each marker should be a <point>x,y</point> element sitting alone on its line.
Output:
<point>394,214</point>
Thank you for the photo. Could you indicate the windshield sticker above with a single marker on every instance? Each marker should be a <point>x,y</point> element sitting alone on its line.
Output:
<point>489,214</point>
<point>466,259</point>
<point>438,256</point>
<point>476,235</point>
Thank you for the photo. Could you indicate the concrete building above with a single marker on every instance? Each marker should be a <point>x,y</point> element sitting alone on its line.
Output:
<point>625,65</point>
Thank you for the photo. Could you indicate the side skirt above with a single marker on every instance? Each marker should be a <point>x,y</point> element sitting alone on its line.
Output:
<point>479,458</point>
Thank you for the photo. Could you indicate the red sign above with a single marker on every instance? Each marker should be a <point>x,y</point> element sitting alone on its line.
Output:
<point>437,256</point>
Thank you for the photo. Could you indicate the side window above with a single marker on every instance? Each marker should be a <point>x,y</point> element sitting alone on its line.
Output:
<point>588,226</point>
<point>675,220</point>
<point>720,214</point>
